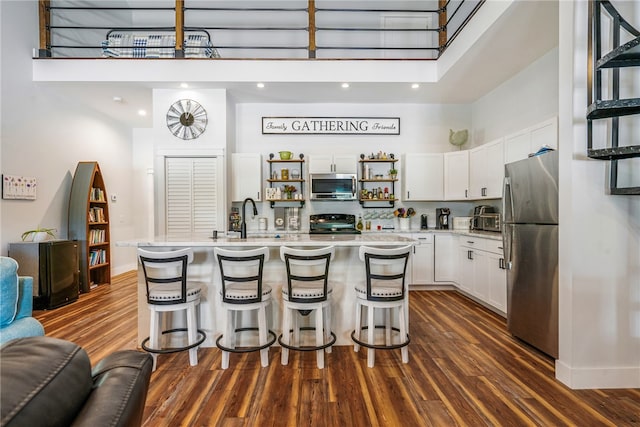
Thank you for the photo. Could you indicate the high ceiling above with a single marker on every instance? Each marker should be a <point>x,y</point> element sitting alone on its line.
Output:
<point>525,32</point>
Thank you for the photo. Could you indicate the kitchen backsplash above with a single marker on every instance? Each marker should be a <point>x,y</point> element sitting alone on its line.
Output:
<point>382,216</point>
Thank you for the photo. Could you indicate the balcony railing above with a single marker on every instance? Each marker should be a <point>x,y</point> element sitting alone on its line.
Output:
<point>303,29</point>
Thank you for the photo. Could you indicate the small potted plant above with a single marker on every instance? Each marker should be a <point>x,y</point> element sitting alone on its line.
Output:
<point>38,235</point>
<point>393,173</point>
<point>289,190</point>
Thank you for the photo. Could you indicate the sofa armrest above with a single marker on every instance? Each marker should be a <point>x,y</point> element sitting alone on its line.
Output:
<point>25,297</point>
<point>120,385</point>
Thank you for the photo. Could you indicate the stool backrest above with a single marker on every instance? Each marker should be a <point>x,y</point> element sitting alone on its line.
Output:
<point>166,268</point>
<point>242,267</point>
<point>385,268</point>
<point>307,267</point>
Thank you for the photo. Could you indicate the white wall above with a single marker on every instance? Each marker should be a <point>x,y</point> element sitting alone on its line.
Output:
<point>599,240</point>
<point>44,135</point>
<point>529,97</point>
<point>423,128</point>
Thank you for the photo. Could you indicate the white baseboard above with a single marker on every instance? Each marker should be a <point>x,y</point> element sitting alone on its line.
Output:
<point>590,378</point>
<point>124,269</point>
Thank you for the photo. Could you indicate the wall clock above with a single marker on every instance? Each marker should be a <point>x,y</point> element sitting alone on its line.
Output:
<point>186,119</point>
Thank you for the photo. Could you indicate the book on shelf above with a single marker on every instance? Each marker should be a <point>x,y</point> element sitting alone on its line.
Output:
<point>97,257</point>
<point>96,215</point>
<point>97,195</point>
<point>97,236</point>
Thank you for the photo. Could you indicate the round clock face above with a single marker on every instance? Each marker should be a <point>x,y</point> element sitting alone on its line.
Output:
<point>186,119</point>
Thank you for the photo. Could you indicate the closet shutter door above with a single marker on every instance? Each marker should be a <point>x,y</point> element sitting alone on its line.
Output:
<point>191,195</point>
<point>205,196</point>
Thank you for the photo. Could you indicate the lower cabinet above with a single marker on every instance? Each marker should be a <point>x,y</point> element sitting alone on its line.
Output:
<point>422,263</point>
<point>446,257</point>
<point>481,271</point>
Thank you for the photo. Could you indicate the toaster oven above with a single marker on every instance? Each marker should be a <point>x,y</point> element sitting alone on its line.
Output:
<point>490,222</point>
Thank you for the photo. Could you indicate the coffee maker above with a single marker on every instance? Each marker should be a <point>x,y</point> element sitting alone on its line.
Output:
<point>442,218</point>
<point>423,222</point>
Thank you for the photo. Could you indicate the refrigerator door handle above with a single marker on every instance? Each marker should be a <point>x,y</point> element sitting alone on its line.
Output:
<point>507,200</point>
<point>507,238</point>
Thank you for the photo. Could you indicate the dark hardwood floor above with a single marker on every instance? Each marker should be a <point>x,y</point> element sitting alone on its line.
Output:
<point>464,369</point>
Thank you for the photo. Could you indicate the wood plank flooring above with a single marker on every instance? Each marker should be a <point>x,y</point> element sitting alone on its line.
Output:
<point>464,369</point>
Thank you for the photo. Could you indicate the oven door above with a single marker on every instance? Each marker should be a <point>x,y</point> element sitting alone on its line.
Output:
<point>333,186</point>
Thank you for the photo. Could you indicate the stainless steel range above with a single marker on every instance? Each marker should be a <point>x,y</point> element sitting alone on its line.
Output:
<point>333,224</point>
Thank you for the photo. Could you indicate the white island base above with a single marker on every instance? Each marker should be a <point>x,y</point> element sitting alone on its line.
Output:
<point>346,270</point>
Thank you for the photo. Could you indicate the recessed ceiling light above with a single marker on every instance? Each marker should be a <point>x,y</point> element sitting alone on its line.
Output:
<point>117,99</point>
<point>415,86</point>
<point>345,85</point>
<point>184,85</point>
<point>260,85</point>
<point>142,112</point>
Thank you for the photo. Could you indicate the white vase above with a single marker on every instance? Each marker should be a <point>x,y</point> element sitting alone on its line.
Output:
<point>405,223</point>
<point>39,236</point>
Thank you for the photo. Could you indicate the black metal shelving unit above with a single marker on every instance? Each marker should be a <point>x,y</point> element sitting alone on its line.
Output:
<point>626,55</point>
<point>364,180</point>
<point>299,182</point>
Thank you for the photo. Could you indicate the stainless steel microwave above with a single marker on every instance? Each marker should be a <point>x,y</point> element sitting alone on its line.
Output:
<point>333,186</point>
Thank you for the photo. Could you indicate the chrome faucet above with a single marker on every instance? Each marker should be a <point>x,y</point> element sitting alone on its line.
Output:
<point>243,225</point>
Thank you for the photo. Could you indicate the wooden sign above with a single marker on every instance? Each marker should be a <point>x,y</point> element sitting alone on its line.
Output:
<point>331,125</point>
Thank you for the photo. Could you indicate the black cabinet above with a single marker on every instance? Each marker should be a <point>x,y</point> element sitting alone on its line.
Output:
<point>54,267</point>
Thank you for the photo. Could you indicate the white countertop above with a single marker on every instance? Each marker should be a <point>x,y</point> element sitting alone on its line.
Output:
<point>302,238</point>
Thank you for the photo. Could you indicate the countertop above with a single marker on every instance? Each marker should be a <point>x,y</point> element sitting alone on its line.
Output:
<point>302,238</point>
<point>267,239</point>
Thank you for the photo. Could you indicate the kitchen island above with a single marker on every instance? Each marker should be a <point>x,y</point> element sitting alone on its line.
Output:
<point>345,271</point>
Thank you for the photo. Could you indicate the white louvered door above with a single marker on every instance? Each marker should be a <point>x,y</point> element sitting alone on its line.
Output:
<point>191,195</point>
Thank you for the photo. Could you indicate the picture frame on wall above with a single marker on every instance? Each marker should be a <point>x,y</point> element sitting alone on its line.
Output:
<point>16,187</point>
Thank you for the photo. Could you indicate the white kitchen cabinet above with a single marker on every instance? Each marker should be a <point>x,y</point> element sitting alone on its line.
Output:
<point>246,172</point>
<point>486,170</point>
<point>497,281</point>
<point>423,259</point>
<point>456,175</point>
<point>446,257</point>
<point>519,145</point>
<point>544,133</point>
<point>497,275</point>
<point>482,273</point>
<point>333,163</point>
<point>466,269</point>
<point>423,176</point>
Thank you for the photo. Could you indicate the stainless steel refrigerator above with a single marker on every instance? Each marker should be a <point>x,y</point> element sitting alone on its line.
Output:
<point>530,235</point>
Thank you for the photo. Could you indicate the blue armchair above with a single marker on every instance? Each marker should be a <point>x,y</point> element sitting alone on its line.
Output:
<point>16,303</point>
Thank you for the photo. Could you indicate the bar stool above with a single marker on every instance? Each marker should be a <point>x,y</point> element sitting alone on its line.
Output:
<point>384,288</point>
<point>243,290</point>
<point>307,291</point>
<point>168,290</point>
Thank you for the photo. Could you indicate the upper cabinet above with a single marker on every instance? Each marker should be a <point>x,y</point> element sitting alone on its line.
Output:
<point>246,170</point>
<point>329,163</point>
<point>486,170</point>
<point>545,133</point>
<point>423,176</point>
<point>519,145</point>
<point>456,175</point>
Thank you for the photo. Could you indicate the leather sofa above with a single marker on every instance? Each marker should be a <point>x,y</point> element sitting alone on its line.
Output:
<point>49,382</point>
<point>16,303</point>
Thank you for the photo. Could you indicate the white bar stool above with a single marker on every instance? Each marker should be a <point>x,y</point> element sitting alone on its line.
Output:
<point>307,291</point>
<point>243,290</point>
<point>384,288</point>
<point>168,290</point>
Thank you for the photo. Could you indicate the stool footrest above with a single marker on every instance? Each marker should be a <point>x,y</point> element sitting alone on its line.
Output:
<point>247,349</point>
<point>308,347</point>
<point>201,337</point>
<point>379,346</point>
